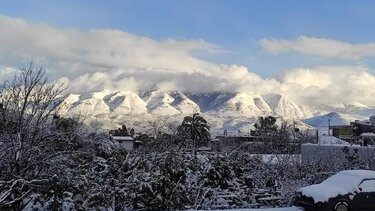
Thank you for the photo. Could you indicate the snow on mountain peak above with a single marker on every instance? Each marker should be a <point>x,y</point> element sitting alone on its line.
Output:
<point>126,103</point>
<point>332,118</point>
<point>242,104</point>
<point>282,106</point>
<point>219,108</point>
<point>96,95</point>
<point>184,104</point>
<point>159,102</point>
<point>91,104</point>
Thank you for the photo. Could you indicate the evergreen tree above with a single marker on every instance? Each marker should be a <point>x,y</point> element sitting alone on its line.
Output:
<point>122,131</point>
<point>196,128</point>
<point>265,126</point>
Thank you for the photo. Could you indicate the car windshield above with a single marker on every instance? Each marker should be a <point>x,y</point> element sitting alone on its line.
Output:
<point>343,180</point>
<point>367,185</point>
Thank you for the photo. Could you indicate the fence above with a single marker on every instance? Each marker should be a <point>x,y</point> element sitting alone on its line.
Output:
<point>337,154</point>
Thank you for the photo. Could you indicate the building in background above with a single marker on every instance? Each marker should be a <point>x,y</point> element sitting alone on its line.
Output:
<point>125,141</point>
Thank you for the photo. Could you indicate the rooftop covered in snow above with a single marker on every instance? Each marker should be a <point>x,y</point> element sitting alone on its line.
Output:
<point>123,138</point>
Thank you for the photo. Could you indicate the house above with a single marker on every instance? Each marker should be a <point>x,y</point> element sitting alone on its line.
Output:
<point>125,141</point>
<point>344,132</point>
<point>353,131</point>
<point>360,127</point>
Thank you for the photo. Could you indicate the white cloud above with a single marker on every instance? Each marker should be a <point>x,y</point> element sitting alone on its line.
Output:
<point>320,47</point>
<point>7,73</point>
<point>112,59</point>
<point>329,85</point>
<point>95,49</point>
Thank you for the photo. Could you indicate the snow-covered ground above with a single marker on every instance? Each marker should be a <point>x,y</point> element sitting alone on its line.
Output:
<point>329,140</point>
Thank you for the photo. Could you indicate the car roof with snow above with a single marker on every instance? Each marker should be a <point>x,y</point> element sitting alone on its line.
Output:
<point>349,179</point>
<point>341,183</point>
<point>349,176</point>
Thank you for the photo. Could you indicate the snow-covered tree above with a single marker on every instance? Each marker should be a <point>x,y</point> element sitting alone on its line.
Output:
<point>196,128</point>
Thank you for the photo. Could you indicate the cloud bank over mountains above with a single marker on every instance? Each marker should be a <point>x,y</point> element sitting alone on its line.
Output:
<point>320,47</point>
<point>116,60</point>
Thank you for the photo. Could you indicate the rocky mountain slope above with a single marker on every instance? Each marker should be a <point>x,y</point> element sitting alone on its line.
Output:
<point>235,111</point>
<point>174,103</point>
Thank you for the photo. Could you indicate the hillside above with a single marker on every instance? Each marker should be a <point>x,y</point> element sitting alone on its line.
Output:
<point>234,111</point>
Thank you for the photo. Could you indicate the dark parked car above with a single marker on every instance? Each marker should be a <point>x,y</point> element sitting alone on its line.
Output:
<point>351,190</point>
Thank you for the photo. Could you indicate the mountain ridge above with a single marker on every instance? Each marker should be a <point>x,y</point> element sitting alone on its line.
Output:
<point>176,102</point>
<point>222,109</point>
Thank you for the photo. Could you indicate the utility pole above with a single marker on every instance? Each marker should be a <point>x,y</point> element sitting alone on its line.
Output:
<point>294,131</point>
<point>329,125</point>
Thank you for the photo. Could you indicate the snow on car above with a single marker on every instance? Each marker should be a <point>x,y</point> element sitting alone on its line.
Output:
<point>346,190</point>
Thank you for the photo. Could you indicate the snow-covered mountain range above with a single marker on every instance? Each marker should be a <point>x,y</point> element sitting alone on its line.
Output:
<point>175,103</point>
<point>223,110</point>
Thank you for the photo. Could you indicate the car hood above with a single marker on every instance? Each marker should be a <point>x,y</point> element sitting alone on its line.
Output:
<point>323,192</point>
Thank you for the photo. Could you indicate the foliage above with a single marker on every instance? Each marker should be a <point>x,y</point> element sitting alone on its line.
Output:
<point>265,126</point>
<point>283,139</point>
<point>196,128</point>
<point>352,159</point>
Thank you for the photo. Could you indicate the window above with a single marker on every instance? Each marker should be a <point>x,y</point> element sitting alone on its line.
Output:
<point>367,186</point>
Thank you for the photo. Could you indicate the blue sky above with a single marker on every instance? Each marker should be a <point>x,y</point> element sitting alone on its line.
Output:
<point>236,26</point>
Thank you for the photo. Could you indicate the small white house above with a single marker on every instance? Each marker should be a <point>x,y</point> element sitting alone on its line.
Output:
<point>125,141</point>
